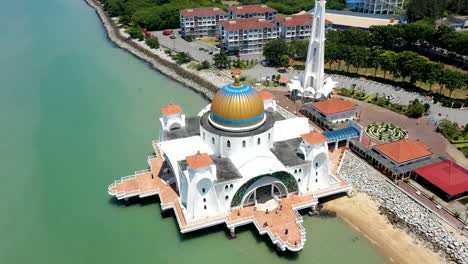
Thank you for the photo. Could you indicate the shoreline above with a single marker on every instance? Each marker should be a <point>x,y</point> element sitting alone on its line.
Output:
<point>394,243</point>
<point>204,87</point>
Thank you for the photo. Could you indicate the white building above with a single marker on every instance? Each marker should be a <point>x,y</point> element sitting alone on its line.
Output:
<point>295,27</point>
<point>252,11</point>
<point>246,36</point>
<point>220,158</point>
<point>376,6</point>
<point>201,22</point>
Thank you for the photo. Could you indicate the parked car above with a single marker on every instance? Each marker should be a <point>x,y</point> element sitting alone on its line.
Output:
<point>172,37</point>
<point>168,32</point>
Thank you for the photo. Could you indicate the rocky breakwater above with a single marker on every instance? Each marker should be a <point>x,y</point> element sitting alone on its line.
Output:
<point>403,211</point>
<point>205,82</point>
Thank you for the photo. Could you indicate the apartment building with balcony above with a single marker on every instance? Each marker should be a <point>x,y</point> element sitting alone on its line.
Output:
<point>252,11</point>
<point>246,36</point>
<point>296,27</point>
<point>201,22</point>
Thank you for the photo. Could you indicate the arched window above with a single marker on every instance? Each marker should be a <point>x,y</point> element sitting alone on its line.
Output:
<point>316,164</point>
<point>231,186</point>
<point>203,135</point>
<point>299,180</point>
<point>258,141</point>
<point>316,180</point>
<point>269,136</point>
<point>295,171</point>
<point>203,190</point>
<point>204,207</point>
<point>228,143</point>
<point>226,188</point>
<point>226,197</point>
<point>300,170</point>
<point>243,143</point>
<point>316,173</point>
<point>212,140</point>
<point>204,200</point>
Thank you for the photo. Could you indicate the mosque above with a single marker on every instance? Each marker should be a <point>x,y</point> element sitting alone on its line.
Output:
<point>235,162</point>
<point>242,161</point>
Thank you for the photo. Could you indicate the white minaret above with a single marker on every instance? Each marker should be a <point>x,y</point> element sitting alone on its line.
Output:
<point>314,67</point>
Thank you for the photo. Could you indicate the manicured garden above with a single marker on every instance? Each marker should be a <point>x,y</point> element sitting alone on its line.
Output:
<point>384,132</point>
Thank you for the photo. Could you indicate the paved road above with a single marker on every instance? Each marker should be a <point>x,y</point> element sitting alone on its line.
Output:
<point>179,44</point>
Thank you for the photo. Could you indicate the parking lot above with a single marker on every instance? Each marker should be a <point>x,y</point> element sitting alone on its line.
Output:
<point>181,45</point>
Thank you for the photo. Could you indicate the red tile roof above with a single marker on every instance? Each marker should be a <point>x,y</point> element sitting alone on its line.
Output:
<point>202,12</point>
<point>404,150</point>
<point>247,9</point>
<point>199,160</point>
<point>447,176</point>
<point>334,105</point>
<point>266,95</point>
<point>283,79</point>
<point>246,23</point>
<point>314,138</point>
<point>171,109</point>
<point>297,20</point>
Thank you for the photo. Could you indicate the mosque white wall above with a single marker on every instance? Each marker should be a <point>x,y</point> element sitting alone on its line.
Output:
<point>318,174</point>
<point>202,200</point>
<point>228,146</point>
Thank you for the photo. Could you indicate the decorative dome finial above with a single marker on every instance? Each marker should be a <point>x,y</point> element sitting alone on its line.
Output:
<point>237,81</point>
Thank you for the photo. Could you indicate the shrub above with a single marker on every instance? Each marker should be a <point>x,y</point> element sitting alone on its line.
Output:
<point>152,42</point>
<point>182,57</point>
<point>202,66</point>
<point>136,33</point>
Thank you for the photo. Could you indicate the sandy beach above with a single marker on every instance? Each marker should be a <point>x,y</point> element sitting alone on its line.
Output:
<point>362,213</point>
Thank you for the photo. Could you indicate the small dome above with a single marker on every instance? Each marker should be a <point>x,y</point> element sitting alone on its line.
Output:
<point>237,107</point>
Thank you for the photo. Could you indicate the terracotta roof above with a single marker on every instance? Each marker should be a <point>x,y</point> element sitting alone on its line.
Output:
<point>246,23</point>
<point>202,12</point>
<point>314,138</point>
<point>297,20</point>
<point>283,79</point>
<point>171,109</point>
<point>334,105</point>
<point>404,150</point>
<point>247,9</point>
<point>447,176</point>
<point>266,95</point>
<point>199,160</point>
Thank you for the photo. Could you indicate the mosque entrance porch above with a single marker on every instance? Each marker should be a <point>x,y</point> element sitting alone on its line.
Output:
<point>265,197</point>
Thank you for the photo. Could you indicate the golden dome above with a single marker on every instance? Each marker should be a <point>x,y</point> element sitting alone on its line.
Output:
<point>237,106</point>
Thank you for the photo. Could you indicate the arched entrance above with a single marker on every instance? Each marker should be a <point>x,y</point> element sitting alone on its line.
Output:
<point>264,193</point>
<point>280,183</point>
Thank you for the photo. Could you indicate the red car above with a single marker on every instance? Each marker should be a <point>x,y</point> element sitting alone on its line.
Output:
<point>167,32</point>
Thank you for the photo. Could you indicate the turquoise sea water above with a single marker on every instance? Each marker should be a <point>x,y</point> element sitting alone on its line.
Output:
<point>77,113</point>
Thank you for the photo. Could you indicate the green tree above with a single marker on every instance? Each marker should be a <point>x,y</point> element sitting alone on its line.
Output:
<point>431,73</point>
<point>136,33</point>
<point>284,60</point>
<point>387,61</point>
<point>359,57</point>
<point>221,60</point>
<point>410,64</point>
<point>373,60</point>
<point>274,51</point>
<point>454,80</point>
<point>415,108</point>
